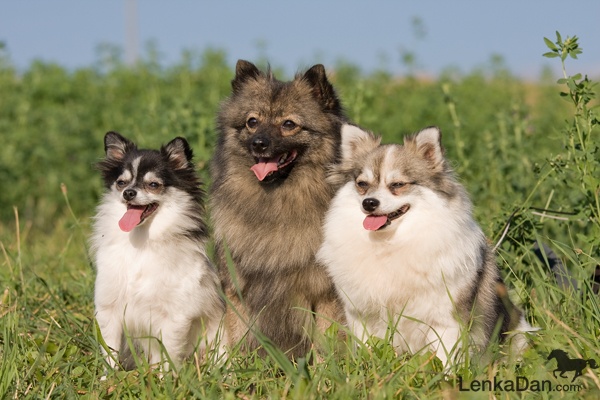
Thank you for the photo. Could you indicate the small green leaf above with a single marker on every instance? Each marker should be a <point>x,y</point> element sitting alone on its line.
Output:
<point>71,349</point>
<point>550,55</point>
<point>52,348</point>
<point>550,44</point>
<point>77,372</point>
<point>590,181</point>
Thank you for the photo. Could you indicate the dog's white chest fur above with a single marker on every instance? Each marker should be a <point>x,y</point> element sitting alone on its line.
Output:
<point>152,285</point>
<point>149,281</point>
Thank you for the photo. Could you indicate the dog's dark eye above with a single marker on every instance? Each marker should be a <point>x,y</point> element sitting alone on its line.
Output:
<point>121,183</point>
<point>252,123</point>
<point>397,185</point>
<point>288,124</point>
<point>154,185</point>
<point>362,184</point>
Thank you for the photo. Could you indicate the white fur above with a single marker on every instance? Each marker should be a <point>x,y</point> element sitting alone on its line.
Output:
<point>394,276</point>
<point>154,283</point>
<point>407,275</point>
<point>350,134</point>
<point>431,135</point>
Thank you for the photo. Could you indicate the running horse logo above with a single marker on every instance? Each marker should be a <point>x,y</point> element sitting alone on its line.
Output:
<point>565,364</point>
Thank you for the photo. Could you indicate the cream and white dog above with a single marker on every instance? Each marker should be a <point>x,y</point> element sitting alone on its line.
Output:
<point>405,253</point>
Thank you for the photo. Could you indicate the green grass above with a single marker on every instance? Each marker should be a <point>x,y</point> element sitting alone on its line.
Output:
<point>50,349</point>
<point>516,145</point>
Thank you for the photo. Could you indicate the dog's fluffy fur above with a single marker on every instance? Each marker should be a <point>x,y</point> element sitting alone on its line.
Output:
<point>154,281</point>
<point>405,253</point>
<point>268,201</point>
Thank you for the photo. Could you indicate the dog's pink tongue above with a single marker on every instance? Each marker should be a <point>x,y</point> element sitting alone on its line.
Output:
<point>131,218</point>
<point>264,166</point>
<point>374,222</point>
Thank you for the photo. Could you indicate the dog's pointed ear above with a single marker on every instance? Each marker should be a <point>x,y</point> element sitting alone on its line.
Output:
<point>116,146</point>
<point>244,71</point>
<point>429,145</point>
<point>178,153</point>
<point>356,142</point>
<point>321,88</point>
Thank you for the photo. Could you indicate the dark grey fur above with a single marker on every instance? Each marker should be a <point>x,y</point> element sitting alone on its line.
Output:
<point>272,228</point>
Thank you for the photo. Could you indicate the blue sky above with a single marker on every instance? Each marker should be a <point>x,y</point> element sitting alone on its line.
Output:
<point>460,34</point>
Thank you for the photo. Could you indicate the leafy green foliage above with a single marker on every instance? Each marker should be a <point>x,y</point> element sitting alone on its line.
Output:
<point>579,169</point>
<point>54,121</point>
<point>529,159</point>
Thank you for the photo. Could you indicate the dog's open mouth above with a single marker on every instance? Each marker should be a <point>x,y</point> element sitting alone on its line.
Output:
<point>374,222</point>
<point>265,167</point>
<point>135,215</point>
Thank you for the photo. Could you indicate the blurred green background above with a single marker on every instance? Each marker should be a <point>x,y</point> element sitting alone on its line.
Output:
<point>495,126</point>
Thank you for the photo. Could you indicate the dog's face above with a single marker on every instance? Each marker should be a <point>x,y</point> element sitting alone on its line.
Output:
<point>275,127</point>
<point>390,180</point>
<point>143,180</point>
<point>384,189</point>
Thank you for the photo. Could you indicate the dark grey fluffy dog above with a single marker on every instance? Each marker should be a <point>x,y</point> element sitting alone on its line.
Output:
<point>268,200</point>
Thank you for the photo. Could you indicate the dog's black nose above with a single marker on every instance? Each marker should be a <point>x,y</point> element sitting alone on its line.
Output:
<point>129,194</point>
<point>260,143</point>
<point>370,204</point>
